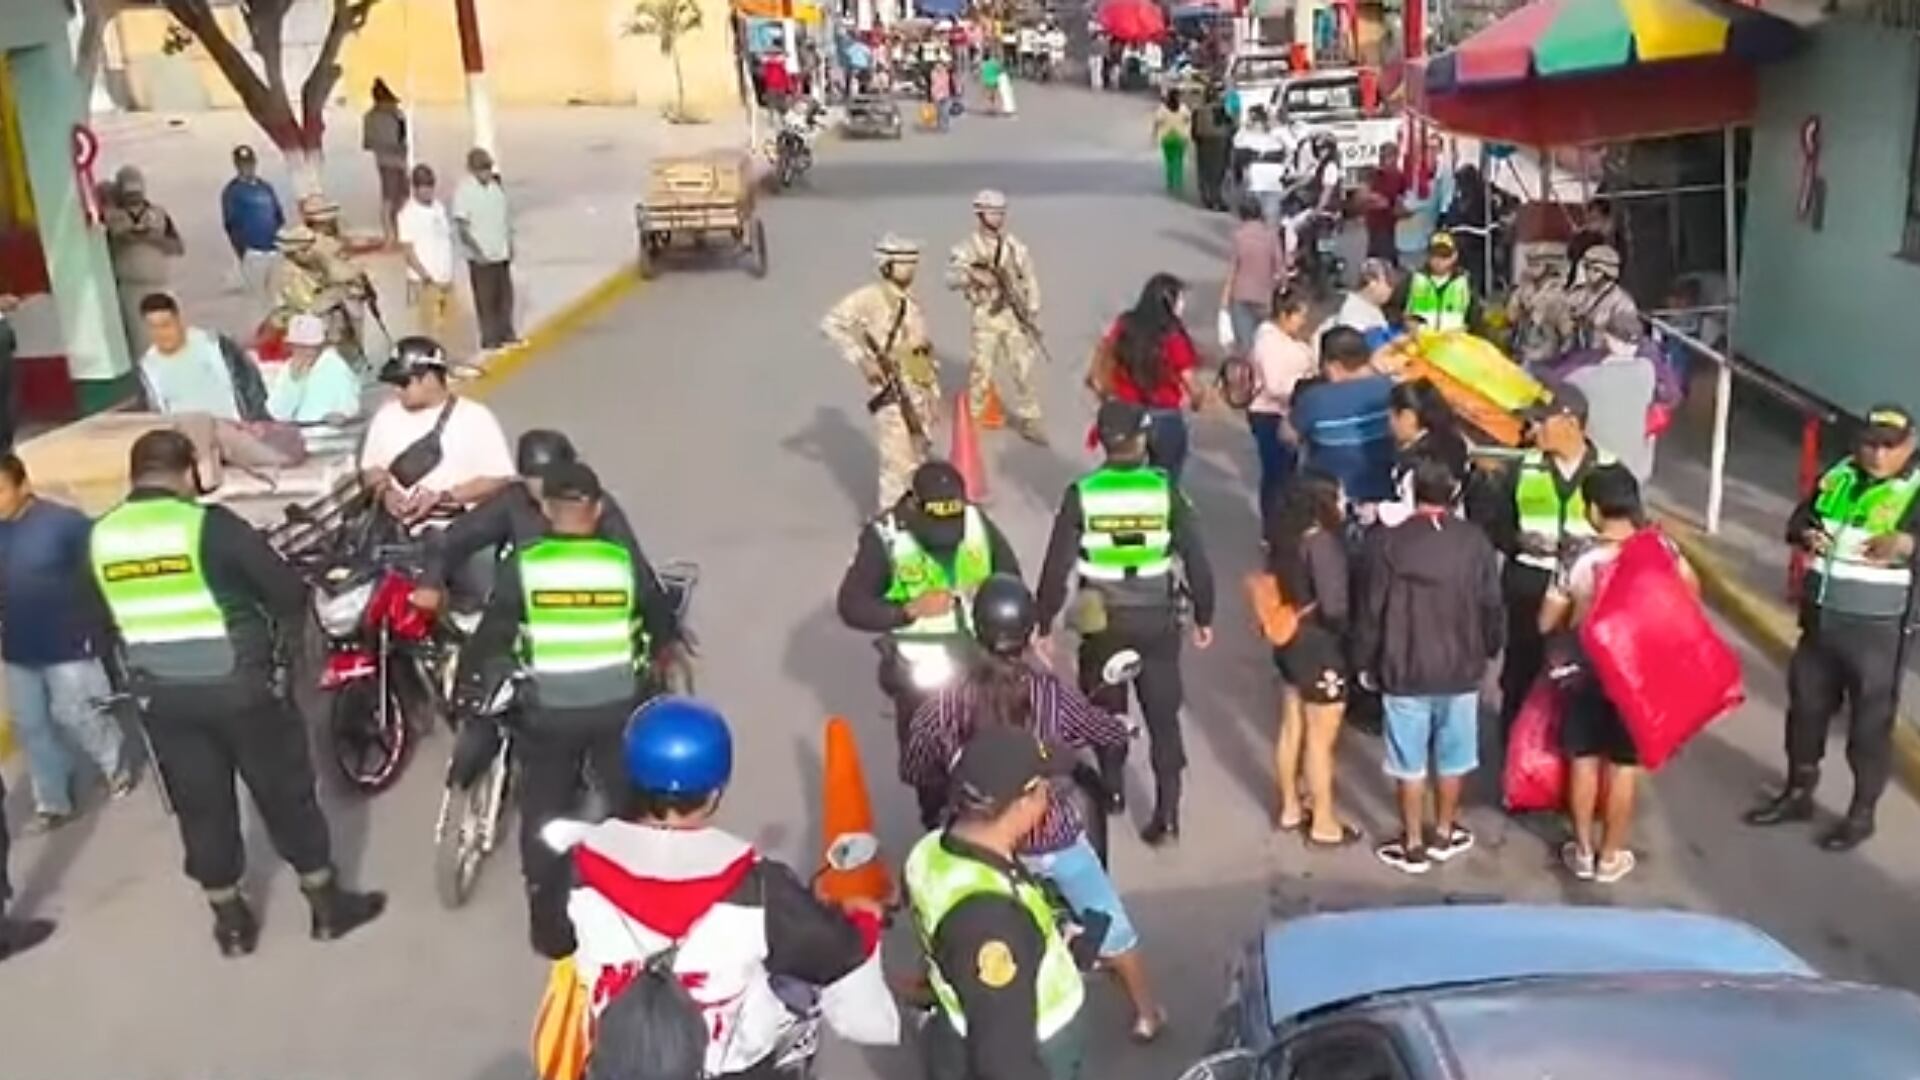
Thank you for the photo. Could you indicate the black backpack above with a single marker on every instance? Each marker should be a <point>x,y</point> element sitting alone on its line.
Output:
<point>651,1030</point>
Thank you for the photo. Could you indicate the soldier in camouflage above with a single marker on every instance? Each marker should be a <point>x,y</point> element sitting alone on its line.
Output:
<point>994,271</point>
<point>880,319</point>
<point>329,256</point>
<point>303,286</point>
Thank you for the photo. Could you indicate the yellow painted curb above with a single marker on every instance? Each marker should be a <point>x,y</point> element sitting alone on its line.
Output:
<point>1772,628</point>
<point>554,329</point>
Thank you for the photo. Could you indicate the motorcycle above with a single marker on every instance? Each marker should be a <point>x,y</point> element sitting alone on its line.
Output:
<point>388,666</point>
<point>480,772</point>
<point>793,145</point>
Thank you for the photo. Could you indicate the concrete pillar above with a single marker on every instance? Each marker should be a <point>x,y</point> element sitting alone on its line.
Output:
<point>50,103</point>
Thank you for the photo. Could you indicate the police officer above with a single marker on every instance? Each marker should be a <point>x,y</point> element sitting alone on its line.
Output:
<point>883,319</point>
<point>1008,987</point>
<point>1120,530</point>
<point>994,271</point>
<point>1440,294</point>
<point>194,596</point>
<point>1535,515</point>
<point>570,610</point>
<point>514,517</point>
<point>912,580</point>
<point>1857,529</point>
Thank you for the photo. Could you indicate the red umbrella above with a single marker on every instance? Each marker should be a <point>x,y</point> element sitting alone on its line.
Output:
<point>1133,21</point>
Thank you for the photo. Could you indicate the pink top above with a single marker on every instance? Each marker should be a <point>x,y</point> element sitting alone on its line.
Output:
<point>1279,362</point>
<point>1259,263</point>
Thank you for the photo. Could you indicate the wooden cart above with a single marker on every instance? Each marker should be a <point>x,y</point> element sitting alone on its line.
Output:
<point>696,200</point>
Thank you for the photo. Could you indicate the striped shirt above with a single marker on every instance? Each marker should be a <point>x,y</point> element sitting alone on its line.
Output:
<point>1062,717</point>
<point>1344,427</point>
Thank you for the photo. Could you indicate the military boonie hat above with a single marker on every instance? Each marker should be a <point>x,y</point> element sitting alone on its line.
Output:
<point>990,199</point>
<point>294,236</point>
<point>318,207</point>
<point>896,248</point>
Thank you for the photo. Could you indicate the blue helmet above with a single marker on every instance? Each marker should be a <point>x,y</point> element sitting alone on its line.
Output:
<point>678,746</point>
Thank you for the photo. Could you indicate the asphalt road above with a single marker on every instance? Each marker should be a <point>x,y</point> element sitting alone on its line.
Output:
<point>735,437</point>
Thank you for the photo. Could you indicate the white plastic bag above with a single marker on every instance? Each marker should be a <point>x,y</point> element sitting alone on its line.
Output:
<point>1224,327</point>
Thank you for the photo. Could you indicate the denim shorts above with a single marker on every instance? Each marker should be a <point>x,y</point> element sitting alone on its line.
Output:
<point>1449,724</point>
<point>1076,871</point>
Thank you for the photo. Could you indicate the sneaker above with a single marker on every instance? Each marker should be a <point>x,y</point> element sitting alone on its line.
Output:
<point>1608,871</point>
<point>1407,860</point>
<point>122,784</point>
<point>1457,841</point>
<point>1577,860</point>
<point>44,822</point>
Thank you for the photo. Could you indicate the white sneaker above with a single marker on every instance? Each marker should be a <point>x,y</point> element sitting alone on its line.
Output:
<point>1456,841</point>
<point>1611,870</point>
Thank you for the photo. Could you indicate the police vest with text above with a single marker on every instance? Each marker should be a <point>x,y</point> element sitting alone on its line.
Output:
<point>916,573</point>
<point>1541,510</point>
<point>938,881</point>
<point>581,622</point>
<point>1440,305</point>
<point>1853,508</point>
<point>146,557</point>
<point>1126,525</point>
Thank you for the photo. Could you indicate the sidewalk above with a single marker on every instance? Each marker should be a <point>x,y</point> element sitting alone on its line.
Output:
<point>1743,569</point>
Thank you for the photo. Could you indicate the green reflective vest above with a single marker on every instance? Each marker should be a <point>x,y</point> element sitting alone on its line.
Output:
<point>1440,305</point>
<point>917,573</point>
<point>1126,524</point>
<point>937,880</point>
<point>1536,496</point>
<point>146,558</point>
<point>581,611</point>
<point>1853,508</point>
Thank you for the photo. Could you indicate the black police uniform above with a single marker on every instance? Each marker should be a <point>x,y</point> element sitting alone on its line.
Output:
<point>554,745</point>
<point>204,732</point>
<point>512,518</point>
<point>1143,616</point>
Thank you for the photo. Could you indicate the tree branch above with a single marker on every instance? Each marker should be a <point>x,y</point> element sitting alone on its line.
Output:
<point>91,48</point>
<point>267,107</point>
<point>348,17</point>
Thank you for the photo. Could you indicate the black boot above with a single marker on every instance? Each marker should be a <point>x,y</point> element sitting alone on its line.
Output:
<point>19,935</point>
<point>1854,829</point>
<point>235,929</point>
<point>1794,803</point>
<point>337,912</point>
<point>1164,826</point>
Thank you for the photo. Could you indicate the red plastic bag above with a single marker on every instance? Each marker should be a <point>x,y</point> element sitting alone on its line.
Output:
<point>1656,655</point>
<point>1535,777</point>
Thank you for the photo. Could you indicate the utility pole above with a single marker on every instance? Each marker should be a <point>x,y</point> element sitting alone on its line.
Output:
<point>479,98</point>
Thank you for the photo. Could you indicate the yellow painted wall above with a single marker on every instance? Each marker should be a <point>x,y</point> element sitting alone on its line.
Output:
<point>555,52</point>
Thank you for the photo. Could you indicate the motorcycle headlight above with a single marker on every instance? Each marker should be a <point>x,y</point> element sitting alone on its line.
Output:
<point>930,670</point>
<point>339,613</point>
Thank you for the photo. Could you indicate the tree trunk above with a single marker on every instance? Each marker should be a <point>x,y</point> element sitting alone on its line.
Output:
<point>91,49</point>
<point>679,88</point>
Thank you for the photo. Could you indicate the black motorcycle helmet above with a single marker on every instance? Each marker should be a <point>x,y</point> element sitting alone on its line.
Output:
<point>1003,615</point>
<point>541,449</point>
<point>413,355</point>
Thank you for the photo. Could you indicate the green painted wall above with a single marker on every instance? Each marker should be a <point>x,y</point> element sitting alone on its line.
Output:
<point>1835,311</point>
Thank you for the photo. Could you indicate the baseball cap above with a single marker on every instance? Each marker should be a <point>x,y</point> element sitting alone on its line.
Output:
<point>306,330</point>
<point>1119,421</point>
<point>999,765</point>
<point>940,490</point>
<point>1887,424</point>
<point>570,481</point>
<point>1442,243</point>
<point>1566,400</point>
<point>243,152</point>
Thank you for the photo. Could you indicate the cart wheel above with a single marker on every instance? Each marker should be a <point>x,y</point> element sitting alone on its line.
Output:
<point>648,266</point>
<point>757,254</point>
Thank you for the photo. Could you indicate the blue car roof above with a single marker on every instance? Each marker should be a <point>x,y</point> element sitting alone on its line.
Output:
<point>1322,960</point>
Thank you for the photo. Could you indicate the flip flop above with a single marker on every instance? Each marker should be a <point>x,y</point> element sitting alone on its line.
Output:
<point>1349,836</point>
<point>1145,1032</point>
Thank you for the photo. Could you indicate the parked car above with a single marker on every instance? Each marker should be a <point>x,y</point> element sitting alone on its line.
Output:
<point>872,116</point>
<point>1512,992</point>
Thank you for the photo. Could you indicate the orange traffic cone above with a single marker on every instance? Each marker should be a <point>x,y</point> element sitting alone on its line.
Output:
<point>851,859</point>
<point>966,451</point>
<point>992,417</point>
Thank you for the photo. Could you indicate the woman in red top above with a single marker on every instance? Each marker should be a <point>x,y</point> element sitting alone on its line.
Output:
<point>1154,364</point>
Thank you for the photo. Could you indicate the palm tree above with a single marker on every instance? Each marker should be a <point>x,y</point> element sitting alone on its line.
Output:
<point>668,20</point>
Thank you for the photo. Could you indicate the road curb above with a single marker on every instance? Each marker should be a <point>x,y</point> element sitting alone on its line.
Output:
<point>554,330</point>
<point>1772,628</point>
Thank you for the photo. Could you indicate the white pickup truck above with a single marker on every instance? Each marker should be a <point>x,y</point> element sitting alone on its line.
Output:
<point>1309,102</point>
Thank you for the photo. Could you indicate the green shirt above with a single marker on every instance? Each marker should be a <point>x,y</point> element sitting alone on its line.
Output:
<point>329,388</point>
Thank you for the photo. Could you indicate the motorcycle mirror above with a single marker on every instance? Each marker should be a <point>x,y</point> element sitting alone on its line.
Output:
<point>851,851</point>
<point>1120,668</point>
<point>1225,1065</point>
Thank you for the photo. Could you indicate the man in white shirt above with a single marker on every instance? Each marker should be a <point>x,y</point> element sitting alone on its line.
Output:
<point>485,227</point>
<point>426,237</point>
<point>474,459</point>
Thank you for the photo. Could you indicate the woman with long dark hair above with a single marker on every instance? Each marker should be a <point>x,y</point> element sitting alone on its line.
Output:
<point>1005,689</point>
<point>1148,358</point>
<point>1307,553</point>
<point>1423,426</point>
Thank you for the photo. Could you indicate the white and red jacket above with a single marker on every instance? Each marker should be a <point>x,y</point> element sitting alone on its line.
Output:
<point>738,919</point>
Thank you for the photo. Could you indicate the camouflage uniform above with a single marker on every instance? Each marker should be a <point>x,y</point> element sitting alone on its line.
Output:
<point>1000,343</point>
<point>304,285</point>
<point>340,274</point>
<point>864,322</point>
